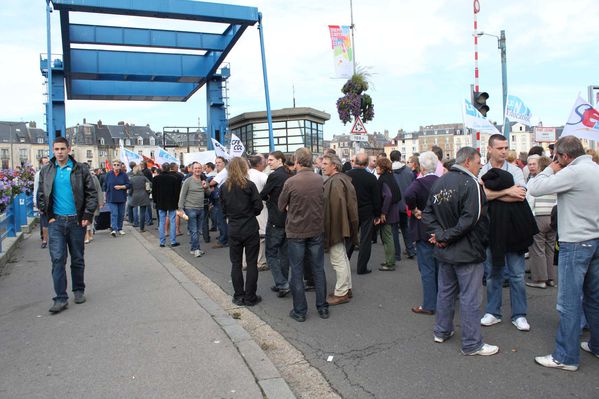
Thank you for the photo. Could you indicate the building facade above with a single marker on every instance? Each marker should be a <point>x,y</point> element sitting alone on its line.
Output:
<point>292,128</point>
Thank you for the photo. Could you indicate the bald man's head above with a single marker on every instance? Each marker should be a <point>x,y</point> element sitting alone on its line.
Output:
<point>361,160</point>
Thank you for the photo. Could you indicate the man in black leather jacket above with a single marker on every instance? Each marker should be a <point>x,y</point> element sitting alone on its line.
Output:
<point>457,221</point>
<point>67,196</point>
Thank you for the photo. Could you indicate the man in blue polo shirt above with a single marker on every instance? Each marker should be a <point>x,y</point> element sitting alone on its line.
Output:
<point>68,197</point>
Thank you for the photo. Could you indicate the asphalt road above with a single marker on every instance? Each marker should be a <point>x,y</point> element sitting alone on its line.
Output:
<point>381,349</point>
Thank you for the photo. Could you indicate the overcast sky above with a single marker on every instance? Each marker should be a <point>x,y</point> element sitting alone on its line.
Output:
<point>419,54</point>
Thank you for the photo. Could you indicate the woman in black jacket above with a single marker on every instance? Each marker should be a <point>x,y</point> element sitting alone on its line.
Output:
<point>241,204</point>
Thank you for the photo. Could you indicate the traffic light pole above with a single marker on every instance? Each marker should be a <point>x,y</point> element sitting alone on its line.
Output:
<point>501,46</point>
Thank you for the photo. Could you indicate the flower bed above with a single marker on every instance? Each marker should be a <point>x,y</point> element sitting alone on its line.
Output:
<point>14,182</point>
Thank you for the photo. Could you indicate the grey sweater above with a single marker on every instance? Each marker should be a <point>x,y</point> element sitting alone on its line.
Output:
<point>192,194</point>
<point>577,198</point>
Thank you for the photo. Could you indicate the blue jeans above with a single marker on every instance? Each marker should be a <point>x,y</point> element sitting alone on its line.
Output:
<point>276,255</point>
<point>297,248</point>
<point>194,224</point>
<point>66,233</point>
<point>429,271</point>
<point>172,230</point>
<point>463,281</point>
<point>149,214</point>
<point>514,264</point>
<point>578,274</point>
<point>117,215</point>
<point>221,223</point>
<point>132,215</point>
<point>205,224</point>
<point>142,220</point>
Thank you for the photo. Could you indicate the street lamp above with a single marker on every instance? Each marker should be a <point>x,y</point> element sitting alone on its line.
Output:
<point>502,48</point>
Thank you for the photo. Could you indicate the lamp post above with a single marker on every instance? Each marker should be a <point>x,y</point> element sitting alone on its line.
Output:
<point>502,48</point>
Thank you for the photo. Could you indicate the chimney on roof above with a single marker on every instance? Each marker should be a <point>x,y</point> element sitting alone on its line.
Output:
<point>32,124</point>
<point>84,121</point>
<point>100,123</point>
<point>121,123</point>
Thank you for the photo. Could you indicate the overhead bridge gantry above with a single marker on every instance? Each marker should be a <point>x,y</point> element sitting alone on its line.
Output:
<point>104,62</point>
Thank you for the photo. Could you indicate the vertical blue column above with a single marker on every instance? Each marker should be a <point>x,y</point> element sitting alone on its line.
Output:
<point>217,115</point>
<point>271,141</point>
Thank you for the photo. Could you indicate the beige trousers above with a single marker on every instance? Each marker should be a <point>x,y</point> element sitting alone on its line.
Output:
<point>341,265</point>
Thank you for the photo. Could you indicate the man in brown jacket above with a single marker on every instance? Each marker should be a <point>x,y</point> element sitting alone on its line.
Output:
<point>340,224</point>
<point>302,198</point>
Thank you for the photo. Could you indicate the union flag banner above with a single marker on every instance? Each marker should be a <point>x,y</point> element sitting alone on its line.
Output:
<point>343,53</point>
<point>583,121</point>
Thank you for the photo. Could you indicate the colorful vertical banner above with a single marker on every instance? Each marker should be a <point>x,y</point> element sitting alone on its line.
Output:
<point>517,111</point>
<point>583,121</point>
<point>343,53</point>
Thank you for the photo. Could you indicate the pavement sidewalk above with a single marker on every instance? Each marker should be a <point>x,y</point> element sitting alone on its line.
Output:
<point>146,331</point>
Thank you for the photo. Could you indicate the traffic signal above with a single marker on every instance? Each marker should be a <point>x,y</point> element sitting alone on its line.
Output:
<point>479,101</point>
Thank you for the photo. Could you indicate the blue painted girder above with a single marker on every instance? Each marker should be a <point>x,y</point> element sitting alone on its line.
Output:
<point>119,36</point>
<point>132,91</point>
<point>174,9</point>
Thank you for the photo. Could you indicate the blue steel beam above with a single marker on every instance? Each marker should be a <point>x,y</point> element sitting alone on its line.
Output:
<point>129,65</point>
<point>134,91</point>
<point>118,36</point>
<point>232,34</point>
<point>173,9</point>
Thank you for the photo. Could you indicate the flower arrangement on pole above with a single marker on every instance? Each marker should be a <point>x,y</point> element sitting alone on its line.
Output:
<point>355,101</point>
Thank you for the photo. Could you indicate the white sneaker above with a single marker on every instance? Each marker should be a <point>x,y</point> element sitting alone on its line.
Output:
<point>549,361</point>
<point>113,233</point>
<point>488,320</point>
<point>535,284</point>
<point>121,232</point>
<point>198,252</point>
<point>440,340</point>
<point>521,324</point>
<point>585,347</point>
<point>485,350</point>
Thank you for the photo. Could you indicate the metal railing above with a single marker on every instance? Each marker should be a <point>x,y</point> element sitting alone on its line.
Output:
<point>15,216</point>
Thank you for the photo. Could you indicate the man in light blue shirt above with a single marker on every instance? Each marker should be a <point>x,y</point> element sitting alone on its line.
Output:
<point>67,196</point>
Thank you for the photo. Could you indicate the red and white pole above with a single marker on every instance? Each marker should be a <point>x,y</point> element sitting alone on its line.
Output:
<point>476,8</point>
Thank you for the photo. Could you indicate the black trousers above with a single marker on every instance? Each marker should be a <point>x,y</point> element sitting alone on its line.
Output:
<point>366,229</point>
<point>251,244</point>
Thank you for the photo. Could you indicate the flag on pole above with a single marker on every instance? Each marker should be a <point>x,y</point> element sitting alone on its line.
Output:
<point>343,53</point>
<point>127,156</point>
<point>474,119</point>
<point>583,121</point>
<point>164,156</point>
<point>517,111</point>
<point>150,162</point>
<point>236,149</point>
<point>107,165</point>
<point>220,150</point>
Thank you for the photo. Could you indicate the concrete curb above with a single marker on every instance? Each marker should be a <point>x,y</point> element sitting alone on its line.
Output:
<point>267,376</point>
<point>10,244</point>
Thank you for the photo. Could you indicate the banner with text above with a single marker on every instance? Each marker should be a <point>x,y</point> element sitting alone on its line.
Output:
<point>583,121</point>
<point>343,53</point>
<point>220,150</point>
<point>164,156</point>
<point>474,119</point>
<point>516,111</point>
<point>236,149</point>
<point>127,156</point>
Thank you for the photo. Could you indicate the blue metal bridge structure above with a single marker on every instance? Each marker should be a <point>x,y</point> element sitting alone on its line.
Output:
<point>105,62</point>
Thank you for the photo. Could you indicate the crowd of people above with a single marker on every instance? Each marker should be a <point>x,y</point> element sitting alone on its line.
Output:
<point>468,225</point>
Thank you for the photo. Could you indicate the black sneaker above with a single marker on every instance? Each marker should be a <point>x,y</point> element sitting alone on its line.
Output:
<point>175,245</point>
<point>282,293</point>
<point>238,301</point>
<point>274,288</point>
<point>297,317</point>
<point>254,302</point>
<point>58,306</point>
<point>323,313</point>
<point>79,297</point>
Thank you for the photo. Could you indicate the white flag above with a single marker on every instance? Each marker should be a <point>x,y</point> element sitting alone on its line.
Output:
<point>583,121</point>
<point>164,156</point>
<point>474,119</point>
<point>220,150</point>
<point>517,111</point>
<point>237,148</point>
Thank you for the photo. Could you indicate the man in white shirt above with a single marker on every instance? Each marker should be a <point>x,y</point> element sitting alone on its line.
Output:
<point>258,177</point>
<point>514,261</point>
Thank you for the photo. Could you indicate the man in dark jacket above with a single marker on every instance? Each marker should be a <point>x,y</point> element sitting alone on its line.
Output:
<point>403,177</point>
<point>276,240</point>
<point>456,219</point>
<point>67,196</point>
<point>166,188</point>
<point>369,207</point>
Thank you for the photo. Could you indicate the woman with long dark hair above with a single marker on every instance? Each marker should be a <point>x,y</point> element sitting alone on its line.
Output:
<point>241,203</point>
